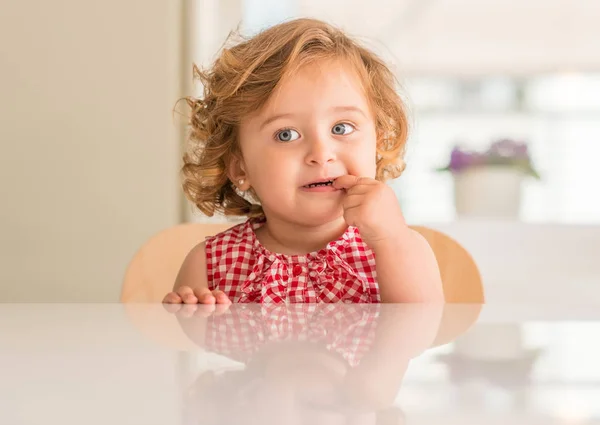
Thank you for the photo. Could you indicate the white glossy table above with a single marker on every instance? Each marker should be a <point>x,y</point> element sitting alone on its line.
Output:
<point>304,364</point>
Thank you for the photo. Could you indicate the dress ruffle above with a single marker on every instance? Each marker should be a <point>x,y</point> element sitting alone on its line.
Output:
<point>321,276</point>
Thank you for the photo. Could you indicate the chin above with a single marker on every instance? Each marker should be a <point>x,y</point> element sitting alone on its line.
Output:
<point>309,215</point>
<point>319,218</point>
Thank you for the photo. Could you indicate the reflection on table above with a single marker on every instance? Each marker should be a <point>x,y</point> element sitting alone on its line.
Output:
<point>296,364</point>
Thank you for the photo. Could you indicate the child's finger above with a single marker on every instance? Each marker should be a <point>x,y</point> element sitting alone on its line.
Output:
<point>172,298</point>
<point>345,182</point>
<point>204,310</point>
<point>206,297</point>
<point>201,292</point>
<point>348,181</point>
<point>187,295</point>
<point>359,189</point>
<point>352,201</point>
<point>188,310</point>
<point>221,308</point>
<point>172,308</point>
<point>221,297</point>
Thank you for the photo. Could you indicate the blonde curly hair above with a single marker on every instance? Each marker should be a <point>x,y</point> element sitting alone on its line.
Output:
<point>241,81</point>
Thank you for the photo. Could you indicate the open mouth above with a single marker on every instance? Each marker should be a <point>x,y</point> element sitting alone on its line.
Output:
<point>320,184</point>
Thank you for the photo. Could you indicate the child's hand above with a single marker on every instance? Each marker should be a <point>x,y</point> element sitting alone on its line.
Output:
<point>186,295</point>
<point>372,206</point>
<point>195,311</point>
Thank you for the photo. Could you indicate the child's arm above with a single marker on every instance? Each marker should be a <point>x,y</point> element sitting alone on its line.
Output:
<point>402,333</point>
<point>407,271</point>
<point>191,286</point>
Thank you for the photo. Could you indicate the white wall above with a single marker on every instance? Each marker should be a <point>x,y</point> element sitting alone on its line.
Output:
<point>89,148</point>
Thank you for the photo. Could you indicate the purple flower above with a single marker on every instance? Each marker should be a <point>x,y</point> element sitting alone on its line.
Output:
<point>507,148</point>
<point>459,159</point>
<point>522,151</point>
<point>503,152</point>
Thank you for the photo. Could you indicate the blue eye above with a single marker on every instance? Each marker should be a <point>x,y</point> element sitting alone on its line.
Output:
<point>287,135</point>
<point>342,129</point>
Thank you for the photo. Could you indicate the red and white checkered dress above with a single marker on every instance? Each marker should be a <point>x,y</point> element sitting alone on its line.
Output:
<point>239,265</point>
<point>345,329</point>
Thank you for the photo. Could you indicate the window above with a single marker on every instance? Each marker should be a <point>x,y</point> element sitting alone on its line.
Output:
<point>559,116</point>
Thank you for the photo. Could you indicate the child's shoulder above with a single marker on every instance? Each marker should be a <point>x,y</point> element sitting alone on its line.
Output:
<point>238,234</point>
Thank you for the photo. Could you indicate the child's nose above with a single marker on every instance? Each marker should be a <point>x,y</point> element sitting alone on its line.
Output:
<point>321,152</point>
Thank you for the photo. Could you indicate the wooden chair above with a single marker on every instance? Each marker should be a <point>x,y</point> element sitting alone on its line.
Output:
<point>153,269</point>
<point>460,275</point>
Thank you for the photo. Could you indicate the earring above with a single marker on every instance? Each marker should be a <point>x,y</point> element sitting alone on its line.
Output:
<point>241,182</point>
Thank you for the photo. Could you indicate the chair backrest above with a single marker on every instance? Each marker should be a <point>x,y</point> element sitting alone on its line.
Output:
<point>152,271</point>
<point>460,275</point>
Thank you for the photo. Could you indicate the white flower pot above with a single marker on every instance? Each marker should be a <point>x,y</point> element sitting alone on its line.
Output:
<point>490,192</point>
<point>492,341</point>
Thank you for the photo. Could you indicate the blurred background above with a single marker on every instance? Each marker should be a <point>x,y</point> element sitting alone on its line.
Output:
<point>507,93</point>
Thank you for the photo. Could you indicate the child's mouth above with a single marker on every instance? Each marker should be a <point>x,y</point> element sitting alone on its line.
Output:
<point>325,186</point>
<point>319,184</point>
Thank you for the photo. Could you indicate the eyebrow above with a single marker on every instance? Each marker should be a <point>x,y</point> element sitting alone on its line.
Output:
<point>274,118</point>
<point>334,109</point>
<point>349,109</point>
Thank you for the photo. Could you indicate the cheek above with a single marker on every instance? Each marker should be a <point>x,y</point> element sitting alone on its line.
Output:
<point>364,158</point>
<point>363,168</point>
<point>271,167</point>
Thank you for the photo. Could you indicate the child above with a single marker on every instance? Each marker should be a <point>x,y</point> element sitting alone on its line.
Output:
<point>298,129</point>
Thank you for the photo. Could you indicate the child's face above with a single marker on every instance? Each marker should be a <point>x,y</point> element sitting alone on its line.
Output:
<point>317,126</point>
